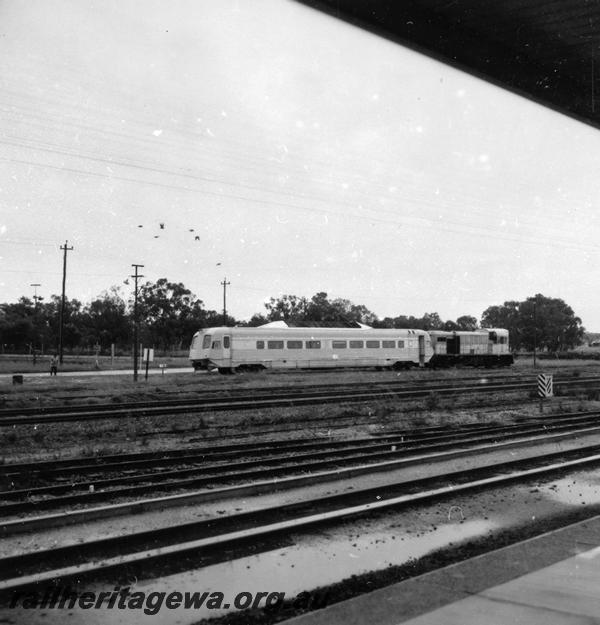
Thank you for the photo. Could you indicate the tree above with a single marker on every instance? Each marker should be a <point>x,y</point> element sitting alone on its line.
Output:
<point>429,321</point>
<point>553,323</point>
<point>319,310</point>
<point>467,323</point>
<point>257,319</point>
<point>169,314</point>
<point>505,316</point>
<point>432,321</point>
<point>106,320</point>
<point>289,308</point>
<point>450,326</point>
<point>548,323</point>
<point>72,322</point>
<point>354,312</point>
<point>17,328</point>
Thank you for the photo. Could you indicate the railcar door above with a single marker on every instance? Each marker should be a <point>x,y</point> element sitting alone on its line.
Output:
<point>421,350</point>
<point>227,348</point>
<point>453,345</point>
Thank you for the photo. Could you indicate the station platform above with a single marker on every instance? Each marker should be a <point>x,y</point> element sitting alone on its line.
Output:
<point>553,579</point>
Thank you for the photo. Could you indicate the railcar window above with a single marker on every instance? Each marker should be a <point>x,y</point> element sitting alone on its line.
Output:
<point>441,339</point>
<point>226,342</point>
<point>294,344</point>
<point>502,340</point>
<point>372,343</point>
<point>313,344</point>
<point>206,341</point>
<point>356,344</point>
<point>339,344</point>
<point>400,344</point>
<point>260,344</point>
<point>274,344</point>
<point>388,344</point>
<point>216,345</point>
<point>493,337</point>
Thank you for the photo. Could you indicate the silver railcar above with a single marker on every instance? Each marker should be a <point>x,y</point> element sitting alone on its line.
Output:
<point>276,346</point>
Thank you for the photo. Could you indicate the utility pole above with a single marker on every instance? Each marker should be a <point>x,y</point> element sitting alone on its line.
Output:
<point>534,335</point>
<point>35,303</point>
<point>35,297</point>
<point>136,277</point>
<point>66,249</point>
<point>225,284</point>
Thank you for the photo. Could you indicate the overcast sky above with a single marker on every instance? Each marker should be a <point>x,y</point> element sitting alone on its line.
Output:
<point>306,154</point>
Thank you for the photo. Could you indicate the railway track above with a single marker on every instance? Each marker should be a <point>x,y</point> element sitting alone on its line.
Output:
<point>152,552</point>
<point>58,485</point>
<point>226,387</point>
<point>274,398</point>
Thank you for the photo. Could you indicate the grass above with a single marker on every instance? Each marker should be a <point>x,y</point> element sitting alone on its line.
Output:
<point>24,363</point>
<point>45,391</point>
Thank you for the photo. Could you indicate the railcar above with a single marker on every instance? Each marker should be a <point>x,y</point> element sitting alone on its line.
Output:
<point>482,348</point>
<point>277,346</point>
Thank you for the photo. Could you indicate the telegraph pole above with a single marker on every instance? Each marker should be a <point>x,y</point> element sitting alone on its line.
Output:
<point>35,303</point>
<point>534,337</point>
<point>35,297</point>
<point>225,285</point>
<point>136,277</point>
<point>66,249</point>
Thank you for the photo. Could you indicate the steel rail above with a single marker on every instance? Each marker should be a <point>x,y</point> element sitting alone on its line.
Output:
<point>142,549</point>
<point>284,394</point>
<point>266,391</point>
<point>271,467</point>
<point>46,470</point>
<point>172,456</point>
<point>291,400</point>
<point>69,517</point>
<point>234,388</point>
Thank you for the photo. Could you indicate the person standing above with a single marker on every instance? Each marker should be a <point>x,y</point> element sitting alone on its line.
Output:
<point>53,365</point>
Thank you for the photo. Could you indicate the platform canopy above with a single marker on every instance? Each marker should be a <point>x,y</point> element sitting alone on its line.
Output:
<point>546,50</point>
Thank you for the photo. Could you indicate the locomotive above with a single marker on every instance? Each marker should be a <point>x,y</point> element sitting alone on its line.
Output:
<point>275,345</point>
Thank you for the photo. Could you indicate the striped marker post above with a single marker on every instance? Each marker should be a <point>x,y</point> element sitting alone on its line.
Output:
<point>544,385</point>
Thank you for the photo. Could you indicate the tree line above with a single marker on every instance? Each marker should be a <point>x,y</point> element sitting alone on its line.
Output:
<point>169,314</point>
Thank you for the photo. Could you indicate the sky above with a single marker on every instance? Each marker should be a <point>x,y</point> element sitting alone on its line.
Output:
<point>285,150</point>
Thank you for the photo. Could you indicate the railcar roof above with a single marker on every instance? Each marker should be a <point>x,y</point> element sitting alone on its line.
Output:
<point>312,331</point>
<point>481,331</point>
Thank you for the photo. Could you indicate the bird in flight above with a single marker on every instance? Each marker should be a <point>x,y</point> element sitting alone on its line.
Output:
<point>162,226</point>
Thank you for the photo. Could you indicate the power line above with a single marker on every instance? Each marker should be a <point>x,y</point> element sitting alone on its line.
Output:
<point>400,222</point>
